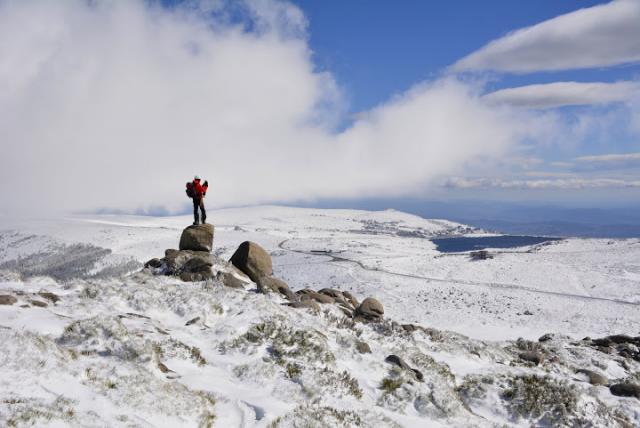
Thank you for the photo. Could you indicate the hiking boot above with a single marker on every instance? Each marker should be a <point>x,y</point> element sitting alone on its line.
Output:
<point>195,223</point>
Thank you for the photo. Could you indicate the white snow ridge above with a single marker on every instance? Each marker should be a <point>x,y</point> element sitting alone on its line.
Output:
<point>536,336</point>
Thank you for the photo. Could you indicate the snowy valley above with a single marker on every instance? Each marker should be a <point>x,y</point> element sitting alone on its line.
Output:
<point>546,335</point>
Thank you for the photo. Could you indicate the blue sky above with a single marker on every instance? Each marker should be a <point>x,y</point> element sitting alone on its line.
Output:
<point>379,48</point>
<point>377,51</point>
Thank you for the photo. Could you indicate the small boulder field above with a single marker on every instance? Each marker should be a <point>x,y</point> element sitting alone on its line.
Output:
<point>251,265</point>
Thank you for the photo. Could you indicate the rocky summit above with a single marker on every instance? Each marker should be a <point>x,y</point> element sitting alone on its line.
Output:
<point>197,238</point>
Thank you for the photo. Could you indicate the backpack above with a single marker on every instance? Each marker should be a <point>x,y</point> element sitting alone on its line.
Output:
<point>191,192</point>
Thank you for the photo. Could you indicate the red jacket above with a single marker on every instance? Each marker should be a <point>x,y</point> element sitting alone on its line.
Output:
<point>199,189</point>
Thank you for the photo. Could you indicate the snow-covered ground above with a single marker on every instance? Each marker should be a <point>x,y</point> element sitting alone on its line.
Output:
<point>115,349</point>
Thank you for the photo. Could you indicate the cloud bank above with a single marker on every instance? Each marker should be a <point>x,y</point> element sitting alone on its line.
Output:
<point>117,104</point>
<point>598,36</point>
<point>573,183</point>
<point>559,94</point>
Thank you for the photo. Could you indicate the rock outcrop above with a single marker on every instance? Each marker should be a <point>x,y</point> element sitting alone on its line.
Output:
<point>197,238</point>
<point>370,310</point>
<point>252,260</point>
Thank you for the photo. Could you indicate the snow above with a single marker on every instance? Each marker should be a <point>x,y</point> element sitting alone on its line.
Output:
<point>92,358</point>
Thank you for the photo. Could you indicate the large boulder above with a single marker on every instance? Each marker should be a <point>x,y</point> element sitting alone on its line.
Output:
<point>196,269</point>
<point>197,238</point>
<point>252,260</point>
<point>176,261</point>
<point>369,310</point>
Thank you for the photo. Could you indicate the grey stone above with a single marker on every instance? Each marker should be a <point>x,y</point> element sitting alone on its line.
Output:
<point>351,298</point>
<point>305,304</point>
<point>153,263</point>
<point>397,361</point>
<point>38,303</point>
<point>594,377</point>
<point>363,347</point>
<point>532,357</point>
<point>6,299</point>
<point>320,298</point>
<point>52,297</point>
<point>370,310</point>
<point>175,260</point>
<point>267,284</point>
<point>197,238</point>
<point>192,321</point>
<point>625,390</point>
<point>252,260</point>
<point>546,337</point>
<point>229,280</point>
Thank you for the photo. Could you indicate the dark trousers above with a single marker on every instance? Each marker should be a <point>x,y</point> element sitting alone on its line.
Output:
<point>199,203</point>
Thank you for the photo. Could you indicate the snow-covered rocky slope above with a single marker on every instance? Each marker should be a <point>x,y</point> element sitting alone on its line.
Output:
<point>89,340</point>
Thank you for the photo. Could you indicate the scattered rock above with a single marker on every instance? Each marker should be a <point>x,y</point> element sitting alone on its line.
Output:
<point>338,296</point>
<point>192,321</point>
<point>38,303</point>
<point>370,310</point>
<point>615,339</point>
<point>6,299</point>
<point>625,390</point>
<point>229,280</point>
<point>351,298</point>
<point>252,260</point>
<point>348,312</point>
<point>164,369</point>
<point>52,297</point>
<point>320,298</point>
<point>480,255</point>
<point>594,378</point>
<point>197,238</point>
<point>532,357</point>
<point>305,304</point>
<point>528,312</point>
<point>395,360</point>
<point>410,327</point>
<point>546,337</point>
<point>267,284</point>
<point>153,263</point>
<point>363,347</point>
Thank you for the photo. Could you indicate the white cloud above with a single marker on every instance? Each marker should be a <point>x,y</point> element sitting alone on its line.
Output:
<point>610,158</point>
<point>599,36</point>
<point>117,104</point>
<point>608,162</point>
<point>559,94</point>
<point>542,184</point>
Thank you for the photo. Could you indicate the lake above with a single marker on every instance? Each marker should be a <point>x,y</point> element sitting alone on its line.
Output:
<point>461,244</point>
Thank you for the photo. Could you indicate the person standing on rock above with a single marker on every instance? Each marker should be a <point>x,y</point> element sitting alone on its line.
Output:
<point>197,192</point>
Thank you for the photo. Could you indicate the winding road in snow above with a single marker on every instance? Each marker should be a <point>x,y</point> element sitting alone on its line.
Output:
<point>506,286</point>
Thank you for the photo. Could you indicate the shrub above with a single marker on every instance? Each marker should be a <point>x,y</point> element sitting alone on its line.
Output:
<point>545,399</point>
